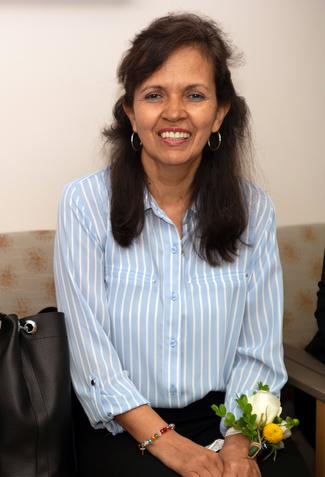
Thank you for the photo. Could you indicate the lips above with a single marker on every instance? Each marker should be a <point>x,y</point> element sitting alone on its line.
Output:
<point>174,136</point>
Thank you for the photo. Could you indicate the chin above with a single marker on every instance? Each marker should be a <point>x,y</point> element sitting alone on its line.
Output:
<point>175,158</point>
<point>177,161</point>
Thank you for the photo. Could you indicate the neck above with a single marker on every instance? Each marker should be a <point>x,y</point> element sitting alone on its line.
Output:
<point>171,185</point>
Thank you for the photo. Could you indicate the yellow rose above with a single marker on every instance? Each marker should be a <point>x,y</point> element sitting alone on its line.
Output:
<point>273,433</point>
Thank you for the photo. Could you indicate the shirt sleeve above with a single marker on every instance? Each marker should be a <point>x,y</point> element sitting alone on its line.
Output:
<point>102,385</point>
<point>259,355</point>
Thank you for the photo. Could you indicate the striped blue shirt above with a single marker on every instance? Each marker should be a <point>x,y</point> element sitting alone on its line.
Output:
<point>154,323</point>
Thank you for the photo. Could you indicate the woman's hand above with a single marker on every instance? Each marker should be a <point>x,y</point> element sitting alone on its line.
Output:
<point>186,458</point>
<point>178,453</point>
<point>235,460</point>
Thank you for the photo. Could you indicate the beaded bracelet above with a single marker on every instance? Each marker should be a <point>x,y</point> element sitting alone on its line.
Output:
<point>143,445</point>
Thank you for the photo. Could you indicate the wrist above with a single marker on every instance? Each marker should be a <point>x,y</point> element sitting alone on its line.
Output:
<point>168,443</point>
<point>154,437</point>
<point>238,441</point>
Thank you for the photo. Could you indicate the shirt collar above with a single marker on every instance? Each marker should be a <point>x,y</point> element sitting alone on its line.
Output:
<point>147,199</point>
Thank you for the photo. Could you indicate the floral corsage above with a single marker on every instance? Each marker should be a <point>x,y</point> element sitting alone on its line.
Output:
<point>260,421</point>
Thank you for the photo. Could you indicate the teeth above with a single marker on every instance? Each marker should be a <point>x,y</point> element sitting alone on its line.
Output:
<point>174,135</point>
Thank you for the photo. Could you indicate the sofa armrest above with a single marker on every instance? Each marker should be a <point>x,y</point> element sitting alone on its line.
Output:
<point>308,374</point>
<point>305,372</point>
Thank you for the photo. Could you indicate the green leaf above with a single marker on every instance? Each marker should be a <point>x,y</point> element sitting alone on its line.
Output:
<point>242,401</point>
<point>248,433</point>
<point>229,419</point>
<point>222,409</point>
<point>219,410</point>
<point>289,422</point>
<point>253,420</point>
<point>248,409</point>
<point>237,426</point>
<point>277,420</point>
<point>250,427</point>
<point>263,387</point>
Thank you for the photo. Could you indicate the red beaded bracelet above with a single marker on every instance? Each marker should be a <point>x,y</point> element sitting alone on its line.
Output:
<point>143,445</point>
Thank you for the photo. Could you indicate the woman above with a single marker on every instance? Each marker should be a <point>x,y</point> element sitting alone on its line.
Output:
<point>167,266</point>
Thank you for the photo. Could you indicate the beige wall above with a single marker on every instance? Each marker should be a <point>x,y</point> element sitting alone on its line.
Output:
<point>57,87</point>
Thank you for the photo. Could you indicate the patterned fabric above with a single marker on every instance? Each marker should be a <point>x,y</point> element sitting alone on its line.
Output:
<point>27,285</point>
<point>26,272</point>
<point>301,250</point>
<point>154,322</point>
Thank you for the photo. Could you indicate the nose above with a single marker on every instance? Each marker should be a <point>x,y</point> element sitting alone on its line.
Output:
<point>174,109</point>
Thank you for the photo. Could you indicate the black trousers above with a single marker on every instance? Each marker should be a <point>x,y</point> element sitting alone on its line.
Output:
<point>99,454</point>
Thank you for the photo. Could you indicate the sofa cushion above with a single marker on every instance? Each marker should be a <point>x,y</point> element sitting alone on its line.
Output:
<point>26,272</point>
<point>301,250</point>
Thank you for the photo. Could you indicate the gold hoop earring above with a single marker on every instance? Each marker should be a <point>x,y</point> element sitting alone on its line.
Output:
<point>135,147</point>
<point>214,148</point>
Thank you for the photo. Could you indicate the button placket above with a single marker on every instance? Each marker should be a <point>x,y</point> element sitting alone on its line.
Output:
<point>174,249</point>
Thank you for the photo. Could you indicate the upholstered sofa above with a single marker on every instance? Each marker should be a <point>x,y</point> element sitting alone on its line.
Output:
<point>26,272</point>
<point>26,286</point>
<point>302,250</point>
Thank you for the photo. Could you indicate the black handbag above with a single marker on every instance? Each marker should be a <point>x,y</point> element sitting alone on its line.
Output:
<point>36,438</point>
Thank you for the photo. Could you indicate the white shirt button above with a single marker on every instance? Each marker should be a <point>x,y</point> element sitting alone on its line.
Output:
<point>173,343</point>
<point>172,389</point>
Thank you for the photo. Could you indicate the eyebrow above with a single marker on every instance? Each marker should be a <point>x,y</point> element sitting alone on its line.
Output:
<point>157,86</point>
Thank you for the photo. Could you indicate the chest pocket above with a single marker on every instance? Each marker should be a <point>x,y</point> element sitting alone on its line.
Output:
<point>235,278</point>
<point>219,298</point>
<point>126,277</point>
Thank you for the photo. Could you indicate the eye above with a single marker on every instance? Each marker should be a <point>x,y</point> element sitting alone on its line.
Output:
<point>196,96</point>
<point>153,97</point>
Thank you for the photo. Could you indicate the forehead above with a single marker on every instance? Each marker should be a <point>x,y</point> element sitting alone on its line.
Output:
<point>185,65</point>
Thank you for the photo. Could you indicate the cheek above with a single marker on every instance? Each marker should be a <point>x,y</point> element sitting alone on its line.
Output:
<point>205,120</point>
<point>206,127</point>
<point>145,120</point>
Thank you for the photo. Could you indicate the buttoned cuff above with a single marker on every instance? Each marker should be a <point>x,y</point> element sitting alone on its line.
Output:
<point>106,400</point>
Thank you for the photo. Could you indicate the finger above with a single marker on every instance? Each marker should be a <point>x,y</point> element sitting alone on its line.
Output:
<point>255,472</point>
<point>218,461</point>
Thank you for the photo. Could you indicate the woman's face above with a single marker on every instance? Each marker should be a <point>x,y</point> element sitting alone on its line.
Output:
<point>175,110</point>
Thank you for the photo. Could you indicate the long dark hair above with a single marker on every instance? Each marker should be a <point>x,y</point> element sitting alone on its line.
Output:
<point>217,187</point>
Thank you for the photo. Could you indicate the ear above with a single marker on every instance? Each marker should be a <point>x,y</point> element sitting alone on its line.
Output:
<point>130,114</point>
<point>221,114</point>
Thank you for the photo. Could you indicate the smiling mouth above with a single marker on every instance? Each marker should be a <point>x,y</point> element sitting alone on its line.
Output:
<point>173,137</point>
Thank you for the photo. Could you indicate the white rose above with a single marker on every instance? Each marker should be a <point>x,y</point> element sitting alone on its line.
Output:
<point>265,405</point>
